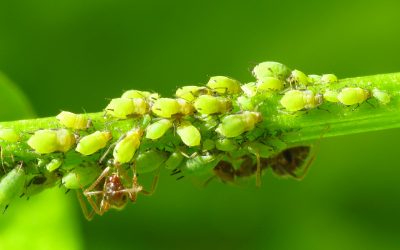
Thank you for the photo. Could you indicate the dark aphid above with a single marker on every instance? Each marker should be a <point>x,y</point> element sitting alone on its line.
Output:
<point>292,162</point>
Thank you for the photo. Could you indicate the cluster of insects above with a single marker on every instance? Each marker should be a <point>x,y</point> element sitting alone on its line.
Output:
<point>214,130</point>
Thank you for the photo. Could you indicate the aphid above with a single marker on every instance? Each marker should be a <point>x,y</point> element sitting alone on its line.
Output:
<point>133,94</point>
<point>249,89</point>
<point>189,93</point>
<point>168,107</point>
<point>226,145</point>
<point>208,105</point>
<point>351,96</point>
<point>92,143</point>
<point>123,107</point>
<point>9,135</point>
<point>295,100</point>
<point>80,176</point>
<point>149,161</point>
<point>40,183</point>
<point>127,146</point>
<point>201,164</point>
<point>224,85</point>
<point>112,193</point>
<point>270,69</point>
<point>54,164</point>
<point>157,129</point>
<point>292,162</point>
<point>236,124</point>
<point>331,96</point>
<point>298,79</point>
<point>189,134</point>
<point>208,145</point>
<point>380,95</point>
<point>73,121</point>
<point>270,84</point>
<point>11,185</point>
<point>328,79</point>
<point>47,141</point>
<point>174,160</point>
<point>314,79</point>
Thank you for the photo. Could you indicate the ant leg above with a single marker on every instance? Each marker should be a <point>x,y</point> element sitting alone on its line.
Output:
<point>153,184</point>
<point>258,172</point>
<point>88,215</point>
<point>96,182</point>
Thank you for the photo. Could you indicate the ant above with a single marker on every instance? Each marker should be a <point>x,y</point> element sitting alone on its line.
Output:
<point>113,193</point>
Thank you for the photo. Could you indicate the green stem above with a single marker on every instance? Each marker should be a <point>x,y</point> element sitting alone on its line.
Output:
<point>302,127</point>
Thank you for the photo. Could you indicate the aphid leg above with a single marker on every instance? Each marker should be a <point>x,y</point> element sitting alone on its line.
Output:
<point>5,208</point>
<point>367,101</point>
<point>319,108</point>
<point>356,107</point>
<point>258,172</point>
<point>88,215</point>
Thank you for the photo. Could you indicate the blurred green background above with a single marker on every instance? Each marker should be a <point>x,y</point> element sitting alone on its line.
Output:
<point>73,55</point>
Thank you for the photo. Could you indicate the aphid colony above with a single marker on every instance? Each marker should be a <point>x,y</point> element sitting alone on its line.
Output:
<point>214,130</point>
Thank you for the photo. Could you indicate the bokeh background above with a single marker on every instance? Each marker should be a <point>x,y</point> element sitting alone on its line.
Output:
<point>74,54</point>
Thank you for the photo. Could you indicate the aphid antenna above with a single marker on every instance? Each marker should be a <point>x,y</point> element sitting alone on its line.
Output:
<point>66,192</point>
<point>372,105</point>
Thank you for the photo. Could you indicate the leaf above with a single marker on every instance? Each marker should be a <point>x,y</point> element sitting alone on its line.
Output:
<point>46,221</point>
<point>13,103</point>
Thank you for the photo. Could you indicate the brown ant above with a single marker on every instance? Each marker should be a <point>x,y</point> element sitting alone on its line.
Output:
<point>113,193</point>
<point>293,162</point>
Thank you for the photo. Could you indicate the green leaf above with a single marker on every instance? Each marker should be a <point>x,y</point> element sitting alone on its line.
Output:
<point>46,221</point>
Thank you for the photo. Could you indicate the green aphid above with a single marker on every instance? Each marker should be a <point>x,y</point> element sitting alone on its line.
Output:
<point>54,164</point>
<point>249,89</point>
<point>328,79</point>
<point>331,96</point>
<point>224,85</point>
<point>260,149</point>
<point>11,186</point>
<point>127,146</point>
<point>74,121</point>
<point>81,176</point>
<point>166,107</point>
<point>236,124</point>
<point>226,145</point>
<point>270,84</point>
<point>132,94</point>
<point>189,93</point>
<point>295,100</point>
<point>157,129</point>
<point>185,107</point>
<point>9,135</point>
<point>298,79</point>
<point>92,143</point>
<point>149,161</point>
<point>201,164</point>
<point>189,134</point>
<point>208,105</point>
<point>381,96</point>
<point>208,145</point>
<point>270,69</point>
<point>174,160</point>
<point>47,141</point>
<point>314,79</point>
<point>123,107</point>
<point>353,95</point>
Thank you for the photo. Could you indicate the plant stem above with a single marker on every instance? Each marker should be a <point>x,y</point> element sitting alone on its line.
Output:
<point>302,127</point>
